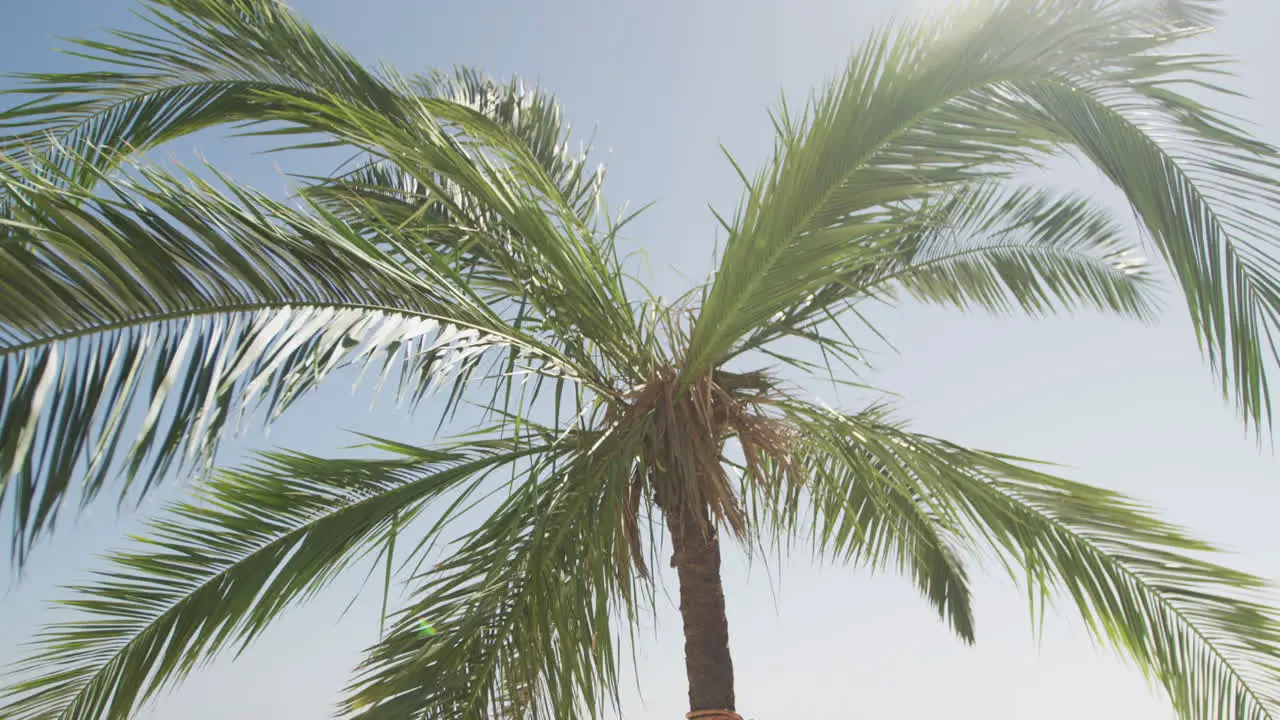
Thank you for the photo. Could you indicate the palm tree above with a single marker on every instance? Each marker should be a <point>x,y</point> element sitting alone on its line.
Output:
<point>464,249</point>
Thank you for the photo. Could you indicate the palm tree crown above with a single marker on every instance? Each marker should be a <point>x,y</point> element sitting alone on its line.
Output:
<point>465,250</point>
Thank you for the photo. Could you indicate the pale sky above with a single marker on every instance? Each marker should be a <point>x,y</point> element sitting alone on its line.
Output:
<point>663,83</point>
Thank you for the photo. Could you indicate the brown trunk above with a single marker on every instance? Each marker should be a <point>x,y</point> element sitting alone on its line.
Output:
<point>706,628</point>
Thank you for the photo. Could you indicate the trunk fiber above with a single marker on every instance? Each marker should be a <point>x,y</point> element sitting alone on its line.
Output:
<point>706,628</point>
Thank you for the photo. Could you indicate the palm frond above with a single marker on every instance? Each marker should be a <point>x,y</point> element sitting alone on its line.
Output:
<point>214,63</point>
<point>1203,631</point>
<point>377,193</point>
<point>573,279</point>
<point>864,513</point>
<point>214,573</point>
<point>204,64</point>
<point>502,149</point>
<point>525,611</point>
<point>207,63</point>
<point>890,129</point>
<point>161,314</point>
<point>932,106</point>
<point>1215,228</point>
<point>991,245</point>
<point>532,115</point>
<point>1034,250</point>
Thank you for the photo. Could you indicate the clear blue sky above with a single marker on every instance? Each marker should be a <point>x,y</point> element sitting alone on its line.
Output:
<point>663,83</point>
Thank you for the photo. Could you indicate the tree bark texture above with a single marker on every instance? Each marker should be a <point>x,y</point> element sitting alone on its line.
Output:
<point>706,627</point>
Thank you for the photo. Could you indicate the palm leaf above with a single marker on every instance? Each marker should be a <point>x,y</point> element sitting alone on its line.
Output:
<point>932,106</point>
<point>524,609</point>
<point>820,199</point>
<point>864,515</point>
<point>214,573</point>
<point>501,148</point>
<point>1203,631</point>
<point>1033,250</point>
<point>203,64</point>
<point>858,512</point>
<point>1219,257</point>
<point>164,313</point>
<point>532,115</point>
<point>993,246</point>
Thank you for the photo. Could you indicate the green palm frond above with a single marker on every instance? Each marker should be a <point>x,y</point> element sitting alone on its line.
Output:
<point>1195,13</point>
<point>532,115</point>
<point>213,573</point>
<point>1199,629</point>
<point>1219,250</point>
<point>203,64</point>
<point>161,314</point>
<point>932,106</point>
<point>1033,249</point>
<point>525,610</point>
<point>500,149</point>
<point>991,245</point>
<point>214,63</point>
<point>564,271</point>
<point>863,513</point>
<point>821,198</point>
<point>378,193</point>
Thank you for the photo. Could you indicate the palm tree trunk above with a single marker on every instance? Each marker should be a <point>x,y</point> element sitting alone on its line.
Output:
<point>706,627</point>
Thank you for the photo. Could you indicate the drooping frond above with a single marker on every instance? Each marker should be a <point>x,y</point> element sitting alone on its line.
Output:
<point>993,246</point>
<point>1213,221</point>
<point>525,611</point>
<point>493,158</point>
<point>1028,248</point>
<point>203,64</point>
<point>931,106</point>
<point>1203,631</point>
<point>134,329</point>
<point>864,511</point>
<point>214,573</point>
